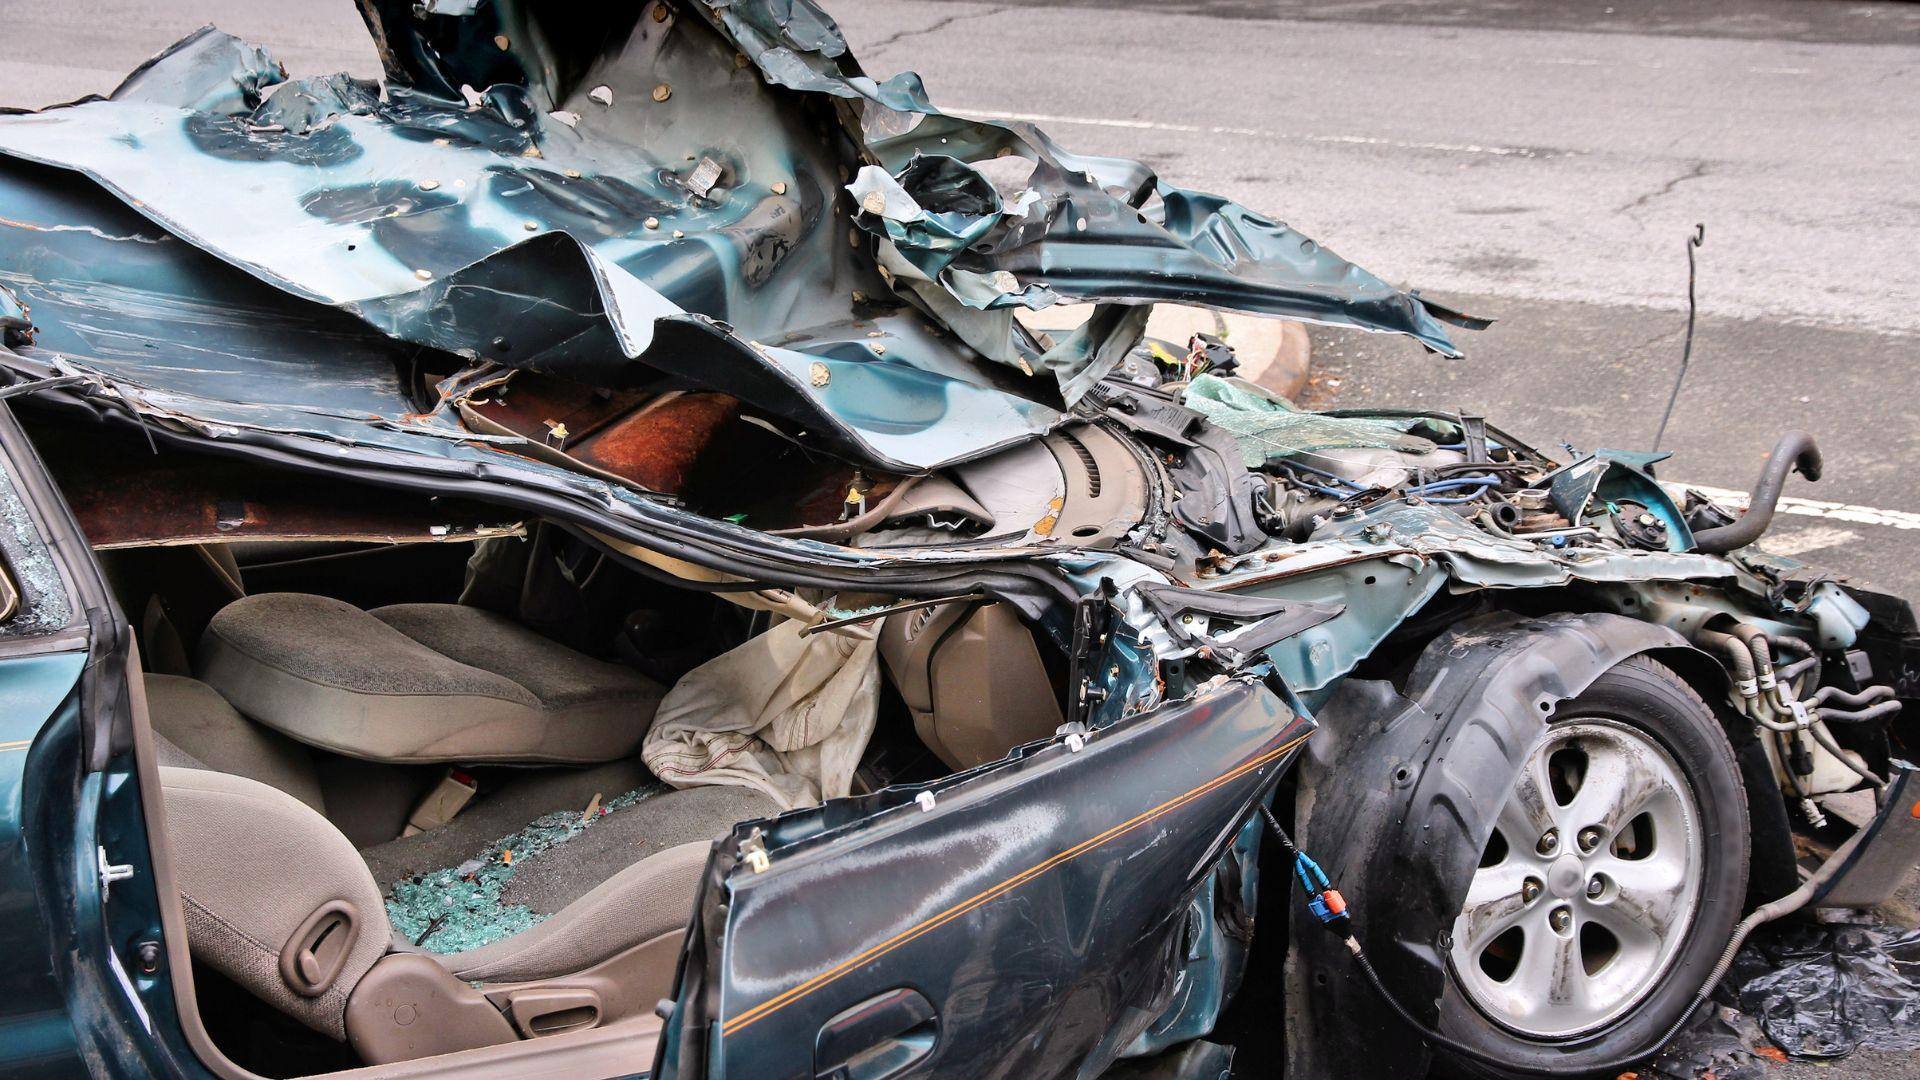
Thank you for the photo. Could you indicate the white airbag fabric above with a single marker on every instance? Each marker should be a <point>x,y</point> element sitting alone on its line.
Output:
<point>786,715</point>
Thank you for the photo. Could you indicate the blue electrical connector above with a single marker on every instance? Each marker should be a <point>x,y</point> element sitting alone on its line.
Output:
<point>1323,899</point>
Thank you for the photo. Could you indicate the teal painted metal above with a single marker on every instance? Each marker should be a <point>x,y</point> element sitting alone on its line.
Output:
<point>618,194</point>
<point>36,1036</point>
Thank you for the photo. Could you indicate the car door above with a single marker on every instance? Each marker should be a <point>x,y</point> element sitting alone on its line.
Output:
<point>84,983</point>
<point>1024,919</point>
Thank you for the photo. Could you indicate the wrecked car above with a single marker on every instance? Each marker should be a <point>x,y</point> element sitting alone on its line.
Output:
<point>586,557</point>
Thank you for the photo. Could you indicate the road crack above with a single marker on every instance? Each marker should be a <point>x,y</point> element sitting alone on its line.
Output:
<point>1694,172</point>
<point>931,28</point>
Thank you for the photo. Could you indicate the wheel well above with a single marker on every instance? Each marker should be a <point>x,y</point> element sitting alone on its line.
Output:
<point>1772,872</point>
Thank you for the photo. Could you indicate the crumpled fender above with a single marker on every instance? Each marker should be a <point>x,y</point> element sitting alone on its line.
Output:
<point>1397,797</point>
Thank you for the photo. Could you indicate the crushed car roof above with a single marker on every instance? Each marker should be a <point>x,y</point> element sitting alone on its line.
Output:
<point>716,192</point>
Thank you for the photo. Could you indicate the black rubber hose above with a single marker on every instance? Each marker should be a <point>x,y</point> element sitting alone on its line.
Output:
<point>1795,450</point>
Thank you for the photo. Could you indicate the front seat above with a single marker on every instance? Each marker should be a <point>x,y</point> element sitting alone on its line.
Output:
<point>421,683</point>
<point>278,901</point>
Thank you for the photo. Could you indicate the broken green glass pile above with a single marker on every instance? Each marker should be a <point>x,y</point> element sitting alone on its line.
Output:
<point>460,907</point>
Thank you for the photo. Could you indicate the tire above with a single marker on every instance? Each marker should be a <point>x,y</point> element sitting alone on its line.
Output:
<point>1596,953</point>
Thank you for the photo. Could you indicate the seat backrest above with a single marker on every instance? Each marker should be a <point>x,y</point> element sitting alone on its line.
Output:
<point>192,718</point>
<point>275,898</point>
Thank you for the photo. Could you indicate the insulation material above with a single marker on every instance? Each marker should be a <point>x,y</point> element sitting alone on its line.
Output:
<point>459,908</point>
<point>1267,426</point>
<point>786,715</point>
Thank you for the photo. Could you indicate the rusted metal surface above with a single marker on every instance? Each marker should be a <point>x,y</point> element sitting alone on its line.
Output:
<point>125,496</point>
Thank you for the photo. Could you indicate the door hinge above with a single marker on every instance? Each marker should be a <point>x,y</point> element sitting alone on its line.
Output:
<point>111,872</point>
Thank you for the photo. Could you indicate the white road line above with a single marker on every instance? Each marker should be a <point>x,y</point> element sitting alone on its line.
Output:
<point>1797,542</point>
<point>1258,133</point>
<point>1832,511</point>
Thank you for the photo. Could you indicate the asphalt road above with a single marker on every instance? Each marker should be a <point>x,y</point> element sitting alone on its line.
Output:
<point>1537,163</point>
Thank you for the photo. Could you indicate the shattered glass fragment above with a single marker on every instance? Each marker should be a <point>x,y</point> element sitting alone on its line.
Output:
<point>460,907</point>
<point>1267,426</point>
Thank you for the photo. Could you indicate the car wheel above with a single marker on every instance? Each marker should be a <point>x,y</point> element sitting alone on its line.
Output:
<point>1611,883</point>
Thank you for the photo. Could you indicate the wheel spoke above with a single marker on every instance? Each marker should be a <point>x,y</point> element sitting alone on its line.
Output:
<point>1549,968</point>
<point>1618,783</point>
<point>1663,872</point>
<point>1530,808</point>
<point>1494,903</point>
<point>1643,902</point>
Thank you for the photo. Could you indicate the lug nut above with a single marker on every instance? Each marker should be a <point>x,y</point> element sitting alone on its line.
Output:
<point>1595,887</point>
<point>1530,890</point>
<point>1548,841</point>
<point>1589,838</point>
<point>1561,920</point>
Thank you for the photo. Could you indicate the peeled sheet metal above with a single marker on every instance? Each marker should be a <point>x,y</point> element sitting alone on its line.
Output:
<point>610,194</point>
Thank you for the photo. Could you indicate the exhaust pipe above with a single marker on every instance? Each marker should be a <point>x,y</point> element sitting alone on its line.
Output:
<point>1794,451</point>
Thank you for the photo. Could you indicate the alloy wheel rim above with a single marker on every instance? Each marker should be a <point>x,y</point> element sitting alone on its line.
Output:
<point>1587,887</point>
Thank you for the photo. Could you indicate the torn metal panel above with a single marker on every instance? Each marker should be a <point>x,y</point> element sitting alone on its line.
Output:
<point>572,193</point>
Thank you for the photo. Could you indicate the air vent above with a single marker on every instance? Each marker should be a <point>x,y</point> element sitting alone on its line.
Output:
<point>918,621</point>
<point>1086,461</point>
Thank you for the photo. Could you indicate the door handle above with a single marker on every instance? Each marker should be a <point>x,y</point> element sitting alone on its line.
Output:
<point>880,1038</point>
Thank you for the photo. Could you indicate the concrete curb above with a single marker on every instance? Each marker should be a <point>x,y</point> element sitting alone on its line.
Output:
<point>1273,353</point>
<point>1285,369</point>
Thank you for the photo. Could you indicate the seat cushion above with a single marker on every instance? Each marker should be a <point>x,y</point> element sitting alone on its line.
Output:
<point>421,683</point>
<point>253,864</point>
<point>576,892</point>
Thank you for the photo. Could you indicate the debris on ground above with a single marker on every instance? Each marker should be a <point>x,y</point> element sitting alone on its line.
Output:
<point>1804,991</point>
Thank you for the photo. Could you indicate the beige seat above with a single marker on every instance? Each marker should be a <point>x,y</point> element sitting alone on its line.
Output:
<point>280,902</point>
<point>421,683</point>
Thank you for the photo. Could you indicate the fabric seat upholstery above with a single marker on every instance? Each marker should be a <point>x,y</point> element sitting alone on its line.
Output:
<point>628,881</point>
<point>252,864</point>
<point>195,728</point>
<point>230,838</point>
<point>417,683</point>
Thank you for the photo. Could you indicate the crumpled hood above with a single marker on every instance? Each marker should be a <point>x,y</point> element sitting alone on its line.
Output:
<point>715,192</point>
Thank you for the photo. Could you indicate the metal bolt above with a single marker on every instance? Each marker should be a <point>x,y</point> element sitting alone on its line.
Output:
<point>1561,920</point>
<point>1548,841</point>
<point>148,954</point>
<point>662,92</point>
<point>1530,890</point>
<point>1589,838</point>
<point>1595,887</point>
